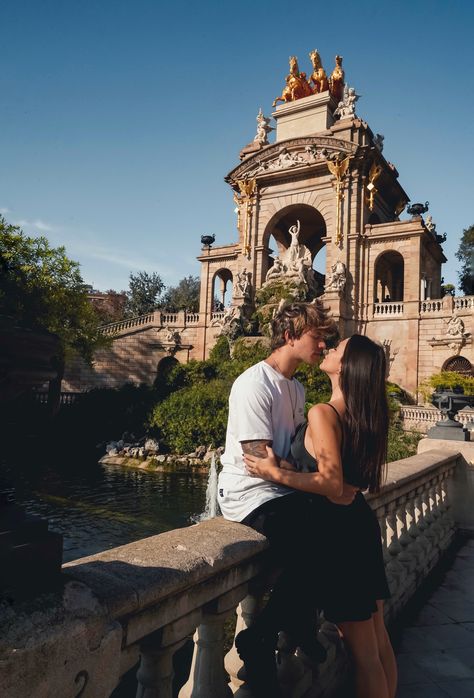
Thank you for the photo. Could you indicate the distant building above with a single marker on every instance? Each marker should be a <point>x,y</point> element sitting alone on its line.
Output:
<point>326,171</point>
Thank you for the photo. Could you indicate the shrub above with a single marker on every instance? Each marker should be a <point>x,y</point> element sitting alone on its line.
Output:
<point>193,416</point>
<point>447,380</point>
<point>104,414</point>
<point>401,444</point>
<point>316,383</point>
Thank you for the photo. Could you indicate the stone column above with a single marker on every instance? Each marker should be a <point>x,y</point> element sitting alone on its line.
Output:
<point>155,674</point>
<point>208,677</point>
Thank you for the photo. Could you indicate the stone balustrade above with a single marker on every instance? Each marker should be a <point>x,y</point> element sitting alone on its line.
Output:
<point>146,599</point>
<point>388,308</point>
<point>464,303</point>
<point>430,306</point>
<point>158,319</point>
<point>423,417</point>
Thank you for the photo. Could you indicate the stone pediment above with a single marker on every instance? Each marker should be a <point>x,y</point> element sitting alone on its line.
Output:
<point>291,154</point>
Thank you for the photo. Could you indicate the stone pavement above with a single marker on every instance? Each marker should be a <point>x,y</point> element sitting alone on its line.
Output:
<point>435,647</point>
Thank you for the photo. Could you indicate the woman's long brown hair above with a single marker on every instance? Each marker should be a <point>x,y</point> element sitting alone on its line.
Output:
<point>366,419</point>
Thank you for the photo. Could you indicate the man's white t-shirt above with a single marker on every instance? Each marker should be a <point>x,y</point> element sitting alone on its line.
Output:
<point>263,404</point>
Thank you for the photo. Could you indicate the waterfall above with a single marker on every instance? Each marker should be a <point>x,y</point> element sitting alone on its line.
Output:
<point>211,508</point>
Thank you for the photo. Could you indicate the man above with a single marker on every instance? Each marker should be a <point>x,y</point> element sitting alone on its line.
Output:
<point>266,405</point>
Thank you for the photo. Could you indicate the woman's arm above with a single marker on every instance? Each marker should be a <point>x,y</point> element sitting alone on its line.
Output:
<point>326,438</point>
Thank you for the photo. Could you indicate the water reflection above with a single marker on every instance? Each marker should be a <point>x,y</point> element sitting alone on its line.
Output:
<point>100,507</point>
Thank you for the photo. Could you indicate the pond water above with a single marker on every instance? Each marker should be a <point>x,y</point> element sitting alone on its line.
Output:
<point>97,507</point>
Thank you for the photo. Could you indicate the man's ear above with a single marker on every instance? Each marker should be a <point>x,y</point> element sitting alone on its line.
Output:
<point>288,340</point>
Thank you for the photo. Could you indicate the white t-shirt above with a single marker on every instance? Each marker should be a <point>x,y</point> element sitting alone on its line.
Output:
<point>263,404</point>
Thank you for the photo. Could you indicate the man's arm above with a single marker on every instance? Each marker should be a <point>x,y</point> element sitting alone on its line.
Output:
<point>256,448</point>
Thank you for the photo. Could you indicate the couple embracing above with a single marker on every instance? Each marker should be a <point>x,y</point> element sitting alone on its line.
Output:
<point>299,482</point>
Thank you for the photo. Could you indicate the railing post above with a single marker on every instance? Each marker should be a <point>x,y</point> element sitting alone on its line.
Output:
<point>248,608</point>
<point>208,677</point>
<point>395,570</point>
<point>155,674</point>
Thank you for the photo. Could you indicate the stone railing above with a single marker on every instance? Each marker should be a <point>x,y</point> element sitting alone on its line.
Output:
<point>388,308</point>
<point>218,315</point>
<point>66,399</point>
<point>156,319</point>
<point>431,306</point>
<point>423,417</point>
<point>145,600</point>
<point>464,303</point>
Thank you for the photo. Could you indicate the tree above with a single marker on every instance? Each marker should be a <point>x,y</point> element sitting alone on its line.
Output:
<point>465,255</point>
<point>109,306</point>
<point>41,288</point>
<point>143,294</point>
<point>184,296</point>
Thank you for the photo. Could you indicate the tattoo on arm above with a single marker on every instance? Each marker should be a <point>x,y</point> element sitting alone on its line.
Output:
<point>255,448</point>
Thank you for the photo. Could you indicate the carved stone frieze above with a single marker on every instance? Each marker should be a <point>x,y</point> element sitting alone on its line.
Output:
<point>285,155</point>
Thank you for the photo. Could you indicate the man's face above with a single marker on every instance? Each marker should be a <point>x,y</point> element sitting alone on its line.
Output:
<point>309,347</point>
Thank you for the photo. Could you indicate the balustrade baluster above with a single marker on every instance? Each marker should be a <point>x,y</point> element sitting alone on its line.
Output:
<point>406,557</point>
<point>208,677</point>
<point>155,674</point>
<point>246,611</point>
<point>416,548</point>
<point>395,570</point>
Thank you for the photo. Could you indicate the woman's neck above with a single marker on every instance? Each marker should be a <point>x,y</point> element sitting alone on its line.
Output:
<point>336,395</point>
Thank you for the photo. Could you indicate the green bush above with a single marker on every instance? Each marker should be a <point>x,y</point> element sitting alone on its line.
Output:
<point>104,414</point>
<point>316,383</point>
<point>447,380</point>
<point>193,416</point>
<point>401,444</point>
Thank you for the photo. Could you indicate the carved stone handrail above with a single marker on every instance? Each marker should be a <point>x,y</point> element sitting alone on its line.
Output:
<point>422,417</point>
<point>147,598</point>
<point>434,306</point>
<point>388,308</point>
<point>463,302</point>
<point>157,319</point>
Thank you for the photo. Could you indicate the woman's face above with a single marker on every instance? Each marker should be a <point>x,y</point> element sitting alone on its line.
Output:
<point>332,362</point>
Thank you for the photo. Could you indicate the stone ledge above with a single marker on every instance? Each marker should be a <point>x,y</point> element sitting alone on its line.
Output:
<point>134,576</point>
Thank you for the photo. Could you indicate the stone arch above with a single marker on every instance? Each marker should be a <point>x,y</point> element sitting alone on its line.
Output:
<point>222,280</point>
<point>389,276</point>
<point>458,364</point>
<point>165,364</point>
<point>313,227</point>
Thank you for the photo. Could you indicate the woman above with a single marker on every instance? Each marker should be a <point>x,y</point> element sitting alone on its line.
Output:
<point>345,441</point>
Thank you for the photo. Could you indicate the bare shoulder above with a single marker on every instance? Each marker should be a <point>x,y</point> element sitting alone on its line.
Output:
<point>323,415</point>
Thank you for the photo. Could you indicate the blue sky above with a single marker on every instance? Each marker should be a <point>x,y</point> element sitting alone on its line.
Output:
<point>119,119</point>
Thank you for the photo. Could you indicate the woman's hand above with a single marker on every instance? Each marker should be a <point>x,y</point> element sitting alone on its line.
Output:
<point>265,468</point>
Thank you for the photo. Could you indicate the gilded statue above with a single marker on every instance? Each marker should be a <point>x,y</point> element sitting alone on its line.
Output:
<point>318,77</point>
<point>297,85</point>
<point>336,81</point>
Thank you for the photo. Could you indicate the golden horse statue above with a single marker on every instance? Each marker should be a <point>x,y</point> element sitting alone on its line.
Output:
<point>336,81</point>
<point>297,85</point>
<point>318,77</point>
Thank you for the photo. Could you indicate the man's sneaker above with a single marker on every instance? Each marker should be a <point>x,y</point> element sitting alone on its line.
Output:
<point>258,656</point>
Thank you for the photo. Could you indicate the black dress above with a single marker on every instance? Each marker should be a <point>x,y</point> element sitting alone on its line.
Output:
<point>352,571</point>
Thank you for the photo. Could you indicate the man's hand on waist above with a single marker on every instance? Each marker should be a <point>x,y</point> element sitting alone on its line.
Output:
<point>347,497</point>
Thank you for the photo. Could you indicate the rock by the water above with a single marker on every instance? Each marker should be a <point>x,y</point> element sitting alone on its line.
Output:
<point>152,446</point>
